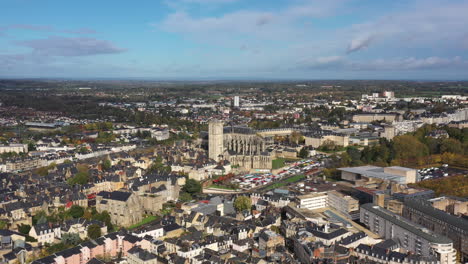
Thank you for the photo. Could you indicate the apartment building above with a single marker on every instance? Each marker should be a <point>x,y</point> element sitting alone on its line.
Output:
<point>440,222</point>
<point>413,238</point>
<point>344,204</point>
<point>313,201</point>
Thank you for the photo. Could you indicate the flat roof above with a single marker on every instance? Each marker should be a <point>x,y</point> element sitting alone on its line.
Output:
<point>312,195</point>
<point>373,172</point>
<point>400,168</point>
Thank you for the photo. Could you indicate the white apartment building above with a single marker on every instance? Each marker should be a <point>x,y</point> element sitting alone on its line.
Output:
<point>313,201</point>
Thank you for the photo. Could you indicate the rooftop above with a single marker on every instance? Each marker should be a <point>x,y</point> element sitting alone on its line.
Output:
<point>407,225</point>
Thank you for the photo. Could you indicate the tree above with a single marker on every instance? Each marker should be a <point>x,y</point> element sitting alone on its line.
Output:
<point>3,224</point>
<point>31,146</point>
<point>192,186</point>
<point>80,178</point>
<point>106,164</point>
<point>71,239</point>
<point>94,231</point>
<point>296,137</point>
<point>24,229</point>
<point>451,145</point>
<point>354,154</point>
<point>408,147</point>
<point>185,197</point>
<point>303,153</point>
<point>76,211</point>
<point>242,203</point>
<point>105,217</point>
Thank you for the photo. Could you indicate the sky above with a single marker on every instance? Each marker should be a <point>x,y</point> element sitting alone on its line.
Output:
<point>235,39</point>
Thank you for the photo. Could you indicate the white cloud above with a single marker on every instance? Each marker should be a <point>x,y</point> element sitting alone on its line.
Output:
<point>255,24</point>
<point>427,23</point>
<point>360,43</point>
<point>70,47</point>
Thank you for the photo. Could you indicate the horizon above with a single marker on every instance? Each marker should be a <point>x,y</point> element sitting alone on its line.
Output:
<point>224,40</point>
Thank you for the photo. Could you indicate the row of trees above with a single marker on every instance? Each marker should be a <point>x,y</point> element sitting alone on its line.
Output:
<point>412,149</point>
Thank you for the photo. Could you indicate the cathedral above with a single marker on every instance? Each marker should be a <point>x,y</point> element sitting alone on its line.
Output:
<point>241,146</point>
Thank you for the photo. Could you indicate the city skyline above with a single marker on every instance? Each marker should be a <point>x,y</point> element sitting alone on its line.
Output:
<point>235,39</point>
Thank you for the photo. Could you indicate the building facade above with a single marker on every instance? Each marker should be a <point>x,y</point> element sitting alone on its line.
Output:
<point>455,228</point>
<point>413,238</point>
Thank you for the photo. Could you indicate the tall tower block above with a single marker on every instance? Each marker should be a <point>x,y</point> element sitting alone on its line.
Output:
<point>215,140</point>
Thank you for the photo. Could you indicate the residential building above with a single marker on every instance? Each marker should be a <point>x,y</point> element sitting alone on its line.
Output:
<point>124,208</point>
<point>344,204</point>
<point>413,238</point>
<point>440,222</point>
<point>17,148</point>
<point>137,255</point>
<point>45,233</point>
<point>269,240</point>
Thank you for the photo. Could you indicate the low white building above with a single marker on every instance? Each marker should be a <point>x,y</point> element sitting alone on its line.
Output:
<point>313,201</point>
<point>18,148</point>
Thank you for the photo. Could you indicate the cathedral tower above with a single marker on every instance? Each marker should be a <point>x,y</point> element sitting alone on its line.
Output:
<point>215,140</point>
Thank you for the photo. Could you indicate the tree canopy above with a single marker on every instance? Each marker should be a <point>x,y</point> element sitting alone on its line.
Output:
<point>192,186</point>
<point>94,231</point>
<point>242,203</point>
<point>76,211</point>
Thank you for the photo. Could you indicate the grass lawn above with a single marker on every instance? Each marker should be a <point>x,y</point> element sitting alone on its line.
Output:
<point>145,220</point>
<point>215,186</point>
<point>277,163</point>
<point>285,182</point>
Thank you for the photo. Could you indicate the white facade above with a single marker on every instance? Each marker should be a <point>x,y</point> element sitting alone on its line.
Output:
<point>313,201</point>
<point>18,148</point>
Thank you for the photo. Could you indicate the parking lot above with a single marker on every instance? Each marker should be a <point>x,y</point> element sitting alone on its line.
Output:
<point>440,172</point>
<point>254,180</point>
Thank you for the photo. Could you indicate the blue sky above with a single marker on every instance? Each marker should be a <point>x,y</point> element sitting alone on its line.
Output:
<point>235,39</point>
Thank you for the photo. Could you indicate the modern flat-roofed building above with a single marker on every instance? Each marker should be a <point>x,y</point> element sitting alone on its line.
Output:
<point>344,204</point>
<point>440,222</point>
<point>313,201</point>
<point>396,174</point>
<point>412,237</point>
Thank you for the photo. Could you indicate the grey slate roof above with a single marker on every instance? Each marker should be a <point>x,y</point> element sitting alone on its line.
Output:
<point>438,214</point>
<point>405,224</point>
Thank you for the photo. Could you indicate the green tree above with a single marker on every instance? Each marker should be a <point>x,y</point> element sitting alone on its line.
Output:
<point>354,154</point>
<point>94,231</point>
<point>185,197</point>
<point>71,239</point>
<point>303,153</point>
<point>106,164</point>
<point>104,217</point>
<point>80,178</point>
<point>83,150</point>
<point>192,186</point>
<point>31,146</point>
<point>3,224</point>
<point>242,203</point>
<point>451,145</point>
<point>24,229</point>
<point>76,211</point>
<point>408,147</point>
